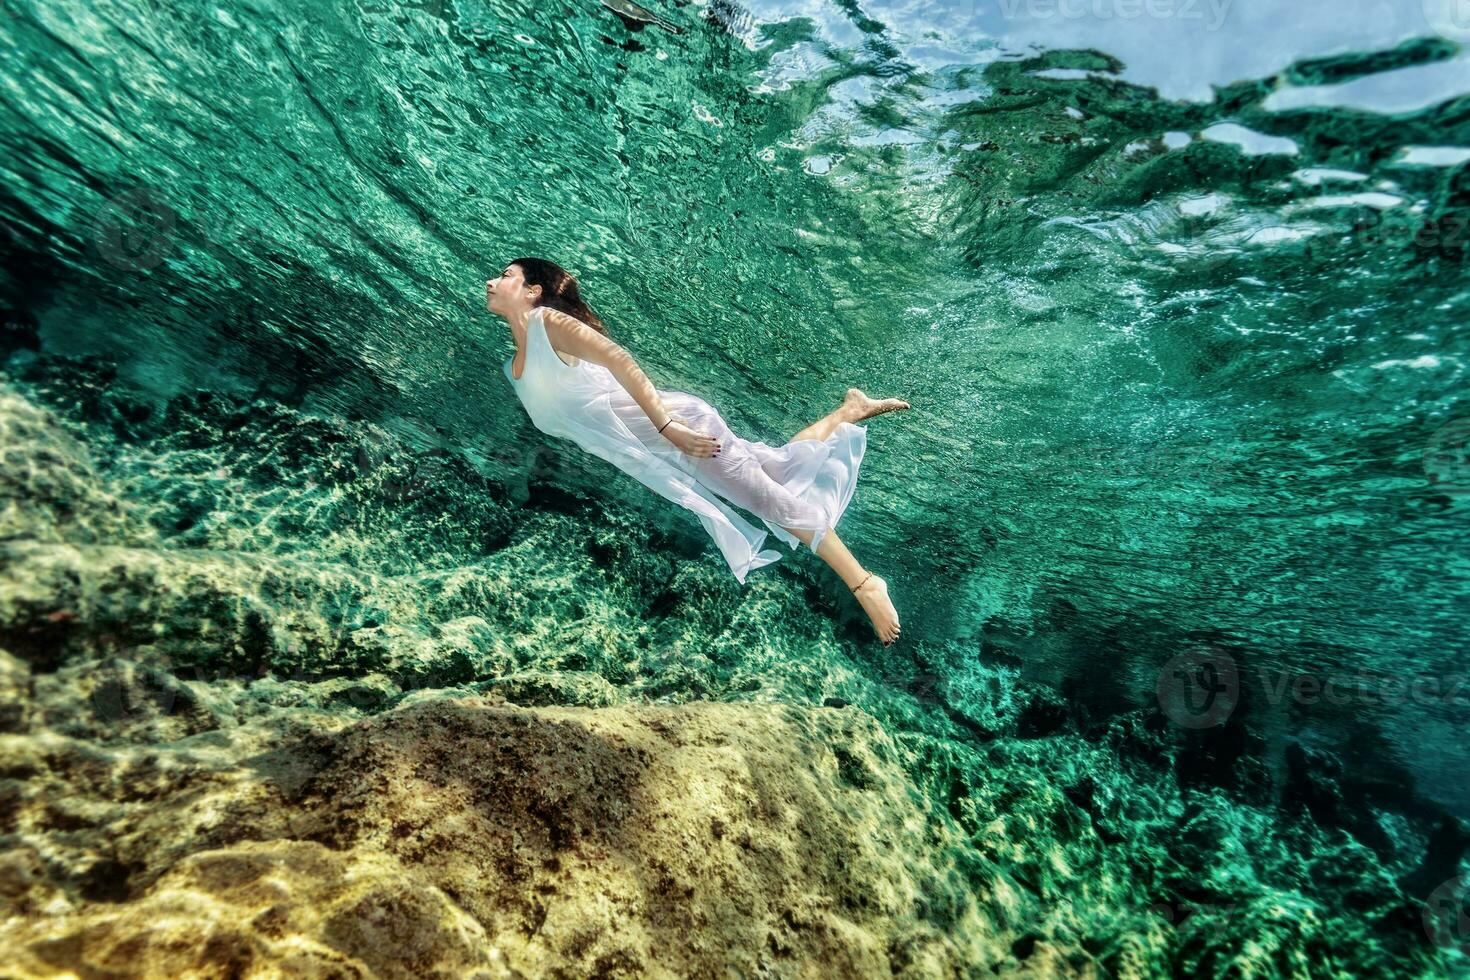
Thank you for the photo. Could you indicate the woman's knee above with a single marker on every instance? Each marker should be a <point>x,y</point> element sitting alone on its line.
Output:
<point>812,538</point>
<point>802,534</point>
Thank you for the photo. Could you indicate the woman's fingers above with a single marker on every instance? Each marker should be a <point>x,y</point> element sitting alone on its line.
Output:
<point>704,445</point>
<point>700,447</point>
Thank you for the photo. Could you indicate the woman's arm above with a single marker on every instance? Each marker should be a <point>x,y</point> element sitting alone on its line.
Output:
<point>569,334</point>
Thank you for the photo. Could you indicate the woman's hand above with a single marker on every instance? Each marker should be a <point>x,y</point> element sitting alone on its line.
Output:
<point>690,442</point>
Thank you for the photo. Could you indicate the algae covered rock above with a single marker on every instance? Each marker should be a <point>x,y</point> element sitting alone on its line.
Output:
<point>463,834</point>
<point>290,908</point>
<point>578,688</point>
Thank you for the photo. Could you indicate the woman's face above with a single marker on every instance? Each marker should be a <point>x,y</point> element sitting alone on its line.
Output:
<point>509,294</point>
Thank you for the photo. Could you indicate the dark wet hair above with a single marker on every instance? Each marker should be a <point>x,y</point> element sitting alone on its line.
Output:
<point>558,290</point>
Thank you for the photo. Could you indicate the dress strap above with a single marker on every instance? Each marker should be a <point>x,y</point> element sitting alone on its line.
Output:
<point>538,314</point>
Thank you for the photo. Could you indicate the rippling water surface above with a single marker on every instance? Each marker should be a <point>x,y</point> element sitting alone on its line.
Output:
<point>1178,292</point>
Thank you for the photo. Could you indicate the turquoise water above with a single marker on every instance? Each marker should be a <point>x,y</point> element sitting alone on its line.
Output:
<point>1177,292</point>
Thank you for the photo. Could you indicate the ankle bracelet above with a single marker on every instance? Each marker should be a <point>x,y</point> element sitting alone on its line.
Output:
<point>860,584</point>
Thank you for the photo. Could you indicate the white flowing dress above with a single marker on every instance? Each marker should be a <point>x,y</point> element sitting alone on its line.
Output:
<point>805,484</point>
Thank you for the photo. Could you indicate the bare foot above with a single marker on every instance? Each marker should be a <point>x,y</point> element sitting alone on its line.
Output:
<point>863,407</point>
<point>873,596</point>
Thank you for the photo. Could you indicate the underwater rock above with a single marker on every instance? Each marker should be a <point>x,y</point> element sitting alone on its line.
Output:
<point>293,907</point>
<point>15,694</point>
<point>1045,712</point>
<point>570,688</point>
<point>122,700</point>
<point>371,692</point>
<point>464,834</point>
<point>49,487</point>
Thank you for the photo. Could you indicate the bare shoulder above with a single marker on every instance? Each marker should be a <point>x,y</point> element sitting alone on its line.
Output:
<point>569,334</point>
<point>562,322</point>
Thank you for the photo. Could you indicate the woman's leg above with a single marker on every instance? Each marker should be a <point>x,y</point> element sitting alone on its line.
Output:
<point>740,478</point>
<point>854,408</point>
<point>872,594</point>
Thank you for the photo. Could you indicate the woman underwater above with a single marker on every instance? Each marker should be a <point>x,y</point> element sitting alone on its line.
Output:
<point>577,383</point>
